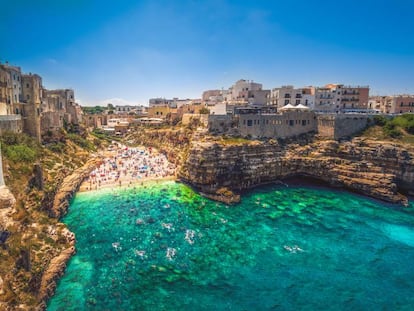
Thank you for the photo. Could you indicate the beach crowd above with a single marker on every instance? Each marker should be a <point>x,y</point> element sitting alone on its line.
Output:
<point>123,166</point>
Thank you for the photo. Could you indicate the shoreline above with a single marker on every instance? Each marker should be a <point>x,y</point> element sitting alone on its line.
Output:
<point>84,187</point>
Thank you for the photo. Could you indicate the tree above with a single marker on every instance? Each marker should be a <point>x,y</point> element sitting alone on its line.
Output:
<point>204,110</point>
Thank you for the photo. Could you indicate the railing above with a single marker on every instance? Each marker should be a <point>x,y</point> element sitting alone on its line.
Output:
<point>10,117</point>
<point>355,87</point>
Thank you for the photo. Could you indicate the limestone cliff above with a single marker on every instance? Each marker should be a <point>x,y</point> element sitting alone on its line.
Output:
<point>377,169</point>
<point>34,247</point>
<point>69,186</point>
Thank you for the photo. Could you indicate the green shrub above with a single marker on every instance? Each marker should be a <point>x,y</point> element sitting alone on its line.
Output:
<point>391,130</point>
<point>80,141</point>
<point>380,120</point>
<point>20,153</point>
<point>57,147</point>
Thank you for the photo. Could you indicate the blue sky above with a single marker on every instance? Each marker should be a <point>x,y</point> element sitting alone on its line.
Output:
<point>135,50</point>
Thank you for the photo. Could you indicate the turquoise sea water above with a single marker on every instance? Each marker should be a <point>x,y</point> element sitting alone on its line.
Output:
<point>164,247</point>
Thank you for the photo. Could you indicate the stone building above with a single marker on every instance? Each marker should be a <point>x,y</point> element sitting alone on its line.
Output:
<point>95,120</point>
<point>288,122</point>
<point>161,112</point>
<point>11,123</point>
<point>339,126</point>
<point>59,106</point>
<point>26,106</point>
<point>259,123</point>
<point>10,96</point>
<point>5,92</point>
<point>30,104</point>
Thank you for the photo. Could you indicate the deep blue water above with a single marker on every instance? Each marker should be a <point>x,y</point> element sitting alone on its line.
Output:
<point>164,247</point>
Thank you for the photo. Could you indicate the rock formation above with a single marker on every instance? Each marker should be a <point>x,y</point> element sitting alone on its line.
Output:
<point>69,186</point>
<point>377,169</point>
<point>53,272</point>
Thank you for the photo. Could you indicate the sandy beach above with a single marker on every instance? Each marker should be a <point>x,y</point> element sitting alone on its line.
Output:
<point>124,166</point>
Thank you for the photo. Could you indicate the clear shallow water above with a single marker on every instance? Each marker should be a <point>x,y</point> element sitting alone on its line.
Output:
<point>164,247</point>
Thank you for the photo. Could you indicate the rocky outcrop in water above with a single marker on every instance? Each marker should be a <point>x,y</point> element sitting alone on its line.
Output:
<point>377,169</point>
<point>52,274</point>
<point>69,186</point>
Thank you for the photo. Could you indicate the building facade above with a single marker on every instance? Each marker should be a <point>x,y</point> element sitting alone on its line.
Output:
<point>59,107</point>
<point>392,104</point>
<point>246,92</point>
<point>336,98</point>
<point>284,95</point>
<point>30,104</point>
<point>258,123</point>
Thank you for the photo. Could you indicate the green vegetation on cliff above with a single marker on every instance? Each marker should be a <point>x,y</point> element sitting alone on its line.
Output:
<point>399,128</point>
<point>33,173</point>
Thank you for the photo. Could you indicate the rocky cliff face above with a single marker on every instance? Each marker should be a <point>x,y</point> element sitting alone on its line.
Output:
<point>377,169</point>
<point>69,186</point>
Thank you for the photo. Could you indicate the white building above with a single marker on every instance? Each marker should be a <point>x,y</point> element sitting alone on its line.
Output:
<point>246,92</point>
<point>285,95</point>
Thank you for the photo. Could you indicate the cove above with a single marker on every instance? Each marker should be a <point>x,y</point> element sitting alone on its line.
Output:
<point>164,247</point>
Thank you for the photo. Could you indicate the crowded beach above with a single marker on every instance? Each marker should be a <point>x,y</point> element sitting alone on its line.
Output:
<point>127,166</point>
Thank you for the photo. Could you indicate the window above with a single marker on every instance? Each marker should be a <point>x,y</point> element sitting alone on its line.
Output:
<point>27,85</point>
<point>249,122</point>
<point>303,122</point>
<point>28,96</point>
<point>291,122</point>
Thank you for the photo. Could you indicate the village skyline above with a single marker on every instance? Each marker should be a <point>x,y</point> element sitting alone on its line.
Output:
<point>133,51</point>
